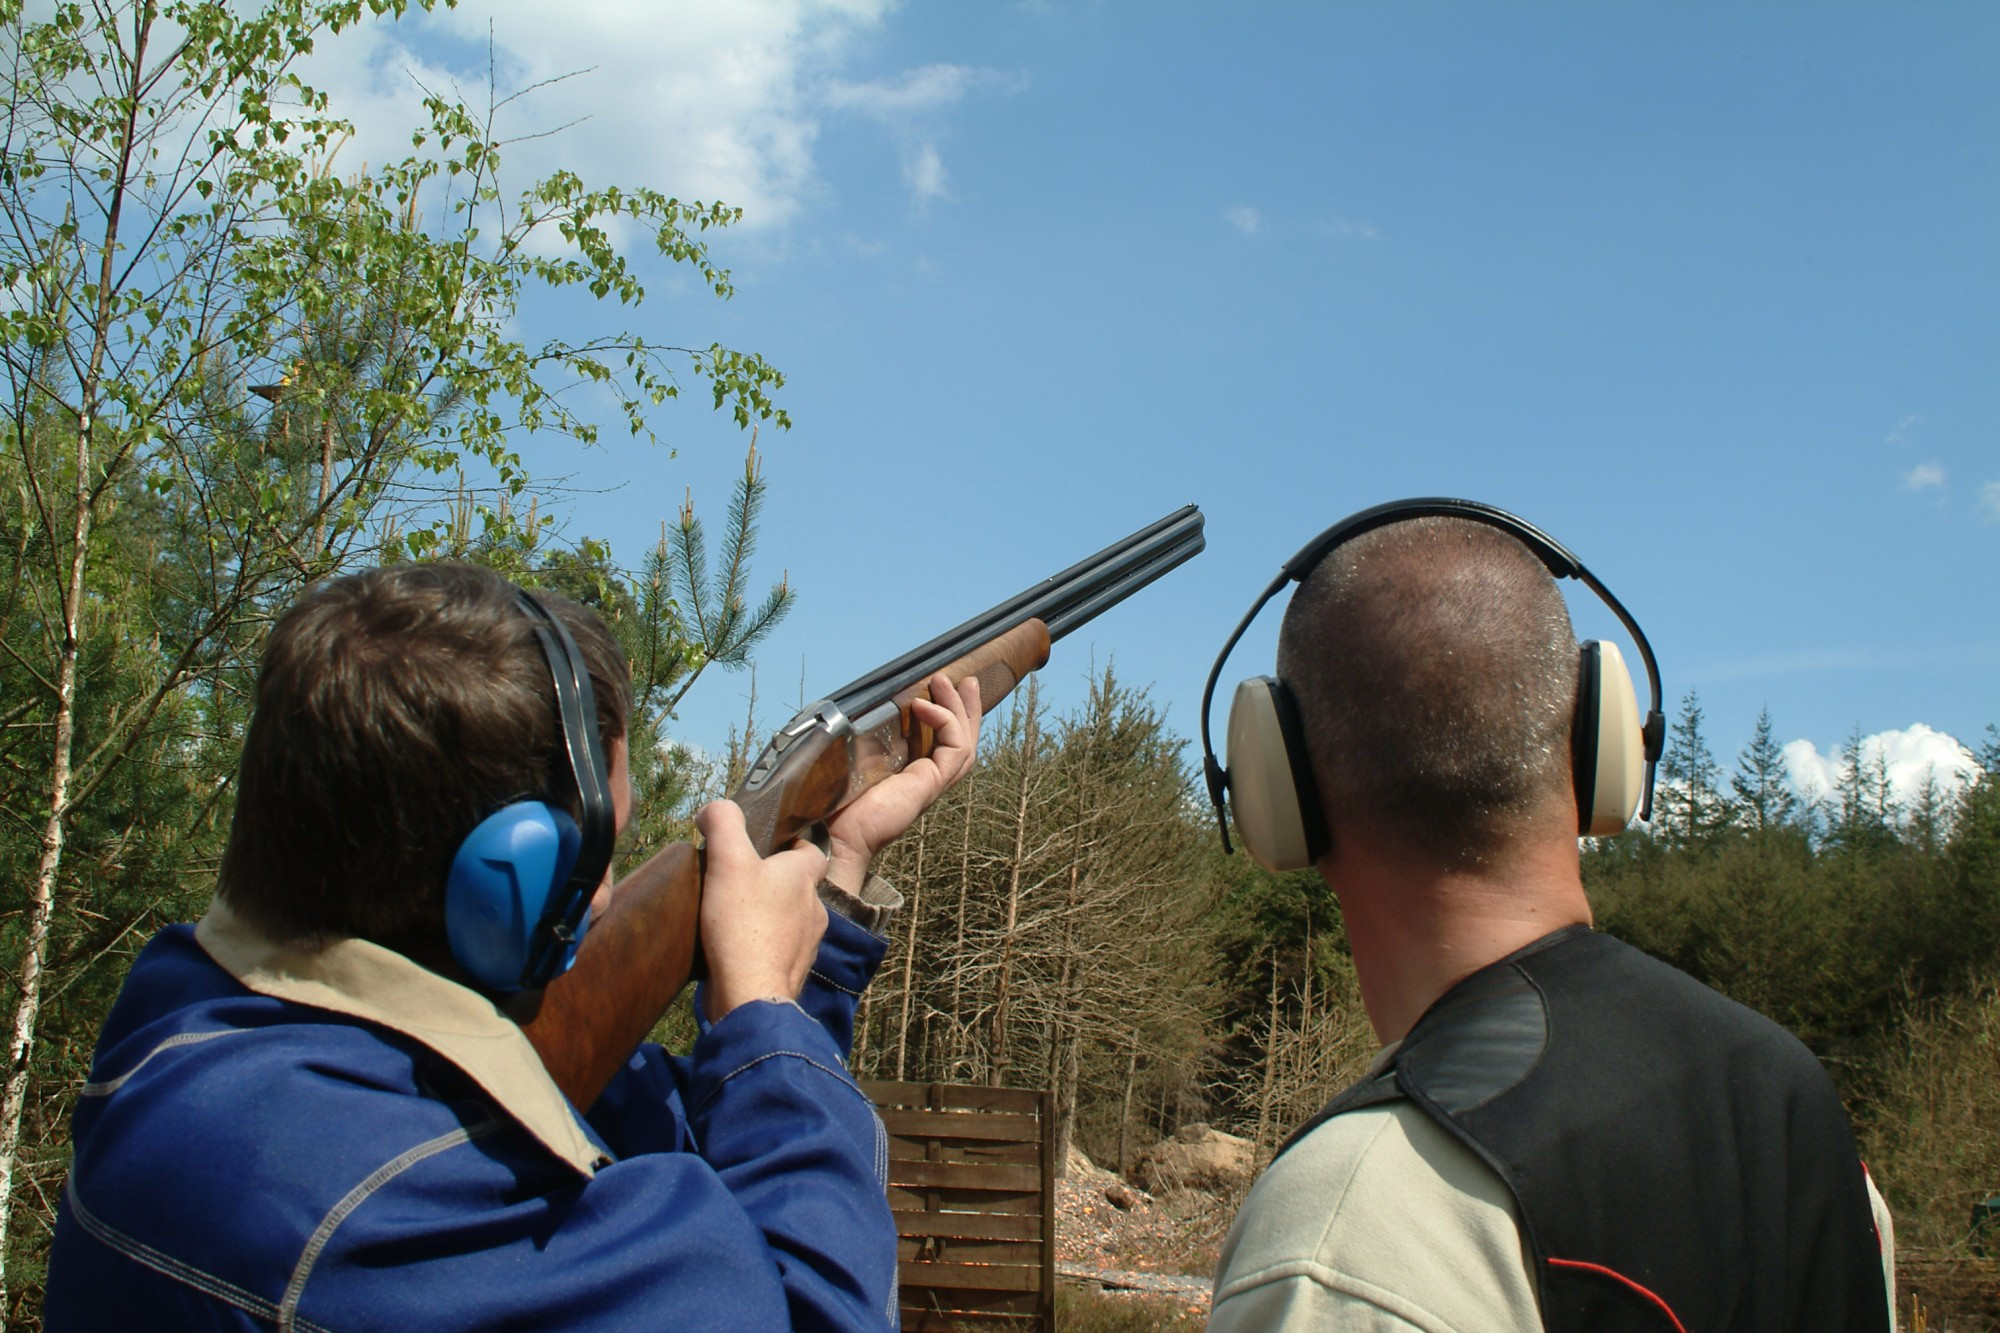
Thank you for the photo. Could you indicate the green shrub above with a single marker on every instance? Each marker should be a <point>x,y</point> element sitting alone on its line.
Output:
<point>1933,1138</point>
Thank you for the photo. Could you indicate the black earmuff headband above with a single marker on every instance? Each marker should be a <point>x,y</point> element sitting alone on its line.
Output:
<point>1550,552</point>
<point>576,708</point>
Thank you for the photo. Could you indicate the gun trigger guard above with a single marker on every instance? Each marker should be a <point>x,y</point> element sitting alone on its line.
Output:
<point>819,836</point>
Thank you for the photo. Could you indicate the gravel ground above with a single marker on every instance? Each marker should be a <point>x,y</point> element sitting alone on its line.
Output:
<point>1159,1246</point>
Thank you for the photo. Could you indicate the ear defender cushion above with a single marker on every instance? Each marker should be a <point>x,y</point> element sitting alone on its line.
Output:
<point>1610,748</point>
<point>501,882</point>
<point>1271,789</point>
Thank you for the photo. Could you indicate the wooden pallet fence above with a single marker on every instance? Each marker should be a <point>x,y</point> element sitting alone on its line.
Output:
<point>972,1185</point>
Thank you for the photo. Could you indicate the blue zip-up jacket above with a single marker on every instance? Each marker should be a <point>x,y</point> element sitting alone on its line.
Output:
<point>340,1139</point>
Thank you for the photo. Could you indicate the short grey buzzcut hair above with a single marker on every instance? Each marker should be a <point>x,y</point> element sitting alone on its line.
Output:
<point>1436,674</point>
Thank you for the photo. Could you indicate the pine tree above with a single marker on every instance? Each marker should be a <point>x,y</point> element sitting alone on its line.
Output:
<point>1764,795</point>
<point>1694,810</point>
<point>1863,809</point>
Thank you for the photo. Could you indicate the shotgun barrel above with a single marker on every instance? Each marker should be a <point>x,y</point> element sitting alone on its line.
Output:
<point>999,645</point>
<point>1062,601</point>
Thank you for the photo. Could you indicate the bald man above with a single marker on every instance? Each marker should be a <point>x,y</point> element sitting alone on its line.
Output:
<point>1560,1132</point>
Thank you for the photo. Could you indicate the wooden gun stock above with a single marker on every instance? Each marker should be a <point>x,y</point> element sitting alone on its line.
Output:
<point>629,969</point>
<point>635,962</point>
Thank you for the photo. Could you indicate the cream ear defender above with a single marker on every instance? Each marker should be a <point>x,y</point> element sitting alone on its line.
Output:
<point>1269,780</point>
<point>1611,764</point>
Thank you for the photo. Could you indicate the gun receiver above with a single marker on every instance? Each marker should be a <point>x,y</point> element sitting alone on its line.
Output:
<point>634,963</point>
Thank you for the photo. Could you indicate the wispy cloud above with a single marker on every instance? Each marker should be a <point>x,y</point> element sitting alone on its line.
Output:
<point>1989,502</point>
<point>1904,433</point>
<point>923,172</point>
<point>1244,218</point>
<point>917,92</point>
<point>1908,755</point>
<point>1351,229</point>
<point>911,105</point>
<point>1923,475</point>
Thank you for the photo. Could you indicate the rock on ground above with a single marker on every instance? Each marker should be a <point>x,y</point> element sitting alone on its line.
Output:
<point>1198,1157</point>
<point>1175,1236</point>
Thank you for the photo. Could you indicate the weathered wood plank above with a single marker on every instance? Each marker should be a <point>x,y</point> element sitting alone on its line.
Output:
<point>928,1275</point>
<point>1047,1285</point>
<point>963,1175</point>
<point>1001,1125</point>
<point>983,1226</point>
<point>935,1200</point>
<point>951,1096</point>
<point>947,1150</point>
<point>961,1250</point>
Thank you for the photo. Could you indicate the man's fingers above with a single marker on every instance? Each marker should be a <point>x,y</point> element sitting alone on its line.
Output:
<point>721,821</point>
<point>968,693</point>
<point>952,713</point>
<point>722,828</point>
<point>961,700</point>
<point>801,858</point>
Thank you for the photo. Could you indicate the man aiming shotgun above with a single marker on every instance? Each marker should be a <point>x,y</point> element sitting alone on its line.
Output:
<point>394,1077</point>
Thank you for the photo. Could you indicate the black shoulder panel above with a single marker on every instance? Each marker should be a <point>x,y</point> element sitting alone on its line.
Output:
<point>1679,1161</point>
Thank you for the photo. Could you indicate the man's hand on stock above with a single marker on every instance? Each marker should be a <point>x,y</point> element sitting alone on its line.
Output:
<point>761,919</point>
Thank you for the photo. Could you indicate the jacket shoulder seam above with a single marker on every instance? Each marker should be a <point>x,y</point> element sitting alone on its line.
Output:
<point>287,1311</point>
<point>839,1075</point>
<point>176,1270</point>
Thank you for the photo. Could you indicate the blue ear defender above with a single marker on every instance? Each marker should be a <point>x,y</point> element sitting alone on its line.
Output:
<point>517,897</point>
<point>500,885</point>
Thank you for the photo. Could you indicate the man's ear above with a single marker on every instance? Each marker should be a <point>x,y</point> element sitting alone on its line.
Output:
<point>618,768</point>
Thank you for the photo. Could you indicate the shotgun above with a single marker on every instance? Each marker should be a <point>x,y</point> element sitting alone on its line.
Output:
<point>635,962</point>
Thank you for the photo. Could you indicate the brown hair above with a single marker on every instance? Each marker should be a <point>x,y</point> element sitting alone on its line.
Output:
<point>395,709</point>
<point>1436,675</point>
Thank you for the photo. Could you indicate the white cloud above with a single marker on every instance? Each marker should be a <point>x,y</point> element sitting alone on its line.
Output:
<point>1907,755</point>
<point>917,91</point>
<point>1923,475</point>
<point>1989,501</point>
<point>910,105</point>
<point>1350,229</point>
<point>1244,218</point>
<point>704,99</point>
<point>923,172</point>
<point>1904,432</point>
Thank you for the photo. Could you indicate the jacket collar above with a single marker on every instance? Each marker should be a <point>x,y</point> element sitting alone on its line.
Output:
<point>380,986</point>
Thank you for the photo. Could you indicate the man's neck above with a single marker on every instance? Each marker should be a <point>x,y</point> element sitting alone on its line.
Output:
<point>1416,931</point>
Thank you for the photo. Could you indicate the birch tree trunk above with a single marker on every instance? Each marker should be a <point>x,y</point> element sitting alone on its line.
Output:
<point>48,866</point>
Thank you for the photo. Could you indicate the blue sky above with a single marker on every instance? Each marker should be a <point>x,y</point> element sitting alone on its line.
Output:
<point>1709,292</point>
